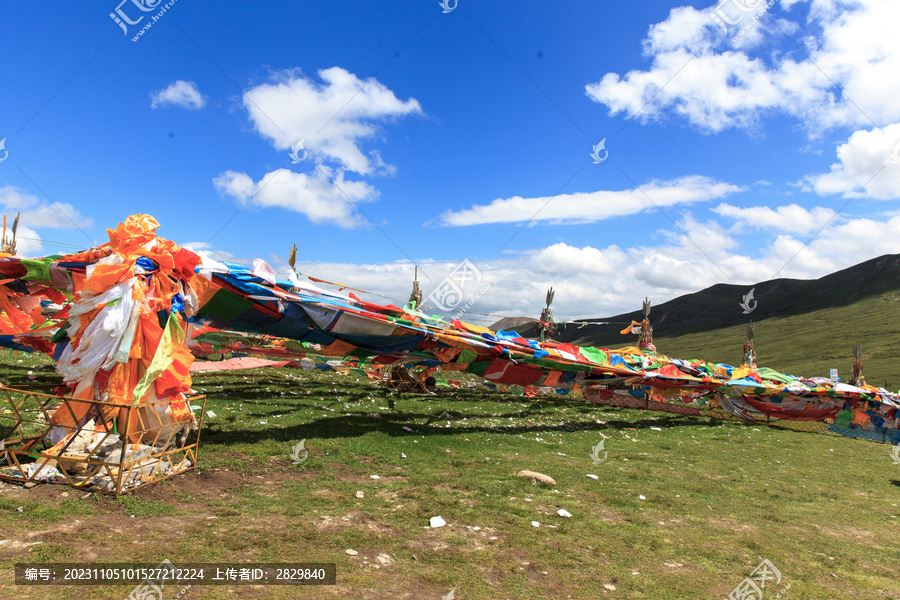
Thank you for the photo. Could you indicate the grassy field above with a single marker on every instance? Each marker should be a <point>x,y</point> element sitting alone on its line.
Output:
<point>681,507</point>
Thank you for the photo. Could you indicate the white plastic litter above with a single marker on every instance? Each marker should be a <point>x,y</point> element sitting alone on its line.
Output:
<point>44,473</point>
<point>535,524</point>
<point>563,513</point>
<point>592,476</point>
<point>437,522</point>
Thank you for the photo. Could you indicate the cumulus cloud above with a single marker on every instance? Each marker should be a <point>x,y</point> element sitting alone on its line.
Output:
<point>699,73</point>
<point>332,116</point>
<point>790,218</point>
<point>36,214</point>
<point>588,207</point>
<point>869,165</point>
<point>184,94</point>
<point>324,196</point>
<point>604,281</point>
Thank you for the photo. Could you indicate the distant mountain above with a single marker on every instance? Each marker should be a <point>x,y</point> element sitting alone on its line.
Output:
<point>719,306</point>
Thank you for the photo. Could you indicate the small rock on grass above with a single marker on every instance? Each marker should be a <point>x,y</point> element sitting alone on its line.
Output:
<point>536,477</point>
<point>437,522</point>
<point>351,551</point>
<point>564,513</point>
<point>360,495</point>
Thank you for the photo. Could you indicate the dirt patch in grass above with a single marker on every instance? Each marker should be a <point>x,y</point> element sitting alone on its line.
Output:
<point>845,533</point>
<point>357,520</point>
<point>340,472</point>
<point>49,494</point>
<point>734,525</point>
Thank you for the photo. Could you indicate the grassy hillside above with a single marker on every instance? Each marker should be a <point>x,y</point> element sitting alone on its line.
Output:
<point>802,327</point>
<point>809,344</point>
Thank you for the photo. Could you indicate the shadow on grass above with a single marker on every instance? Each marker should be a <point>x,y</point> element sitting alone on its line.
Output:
<point>359,425</point>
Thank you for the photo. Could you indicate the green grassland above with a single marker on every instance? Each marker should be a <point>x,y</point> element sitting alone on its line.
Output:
<point>682,507</point>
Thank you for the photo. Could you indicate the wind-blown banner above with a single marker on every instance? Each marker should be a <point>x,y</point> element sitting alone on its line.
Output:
<point>116,320</point>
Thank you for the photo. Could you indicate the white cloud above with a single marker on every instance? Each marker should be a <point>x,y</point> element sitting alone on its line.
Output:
<point>313,195</point>
<point>605,281</point>
<point>791,218</point>
<point>29,242</point>
<point>588,207</point>
<point>36,214</point>
<point>865,153</point>
<point>179,93</point>
<point>695,73</point>
<point>332,117</point>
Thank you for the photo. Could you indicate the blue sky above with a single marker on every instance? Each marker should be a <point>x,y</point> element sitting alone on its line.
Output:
<point>762,148</point>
